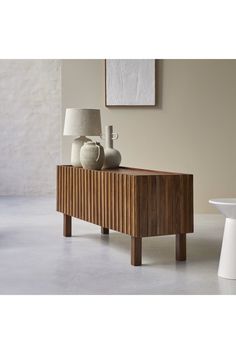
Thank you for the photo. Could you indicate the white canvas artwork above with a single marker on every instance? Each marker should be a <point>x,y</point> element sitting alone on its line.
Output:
<point>130,82</point>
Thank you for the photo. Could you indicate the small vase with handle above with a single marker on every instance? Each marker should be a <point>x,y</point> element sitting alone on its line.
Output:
<point>112,157</point>
<point>92,155</point>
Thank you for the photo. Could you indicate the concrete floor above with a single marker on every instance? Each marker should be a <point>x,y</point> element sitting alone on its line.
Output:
<point>36,259</point>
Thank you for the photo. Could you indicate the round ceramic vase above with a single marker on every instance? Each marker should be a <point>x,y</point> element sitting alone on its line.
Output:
<point>75,150</point>
<point>112,156</point>
<point>92,156</point>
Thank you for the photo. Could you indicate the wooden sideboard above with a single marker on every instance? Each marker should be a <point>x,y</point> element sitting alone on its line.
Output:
<point>136,202</point>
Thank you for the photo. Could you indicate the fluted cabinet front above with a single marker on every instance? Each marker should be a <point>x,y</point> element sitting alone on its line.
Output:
<point>104,198</point>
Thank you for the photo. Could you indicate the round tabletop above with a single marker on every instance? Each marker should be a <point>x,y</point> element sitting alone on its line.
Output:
<point>223,201</point>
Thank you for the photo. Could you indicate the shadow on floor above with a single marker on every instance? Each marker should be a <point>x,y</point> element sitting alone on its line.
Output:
<point>158,250</point>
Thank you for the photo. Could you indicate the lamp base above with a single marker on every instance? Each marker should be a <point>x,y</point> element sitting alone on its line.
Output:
<point>75,150</point>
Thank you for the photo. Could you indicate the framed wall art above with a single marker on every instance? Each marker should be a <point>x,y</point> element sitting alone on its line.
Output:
<point>130,82</point>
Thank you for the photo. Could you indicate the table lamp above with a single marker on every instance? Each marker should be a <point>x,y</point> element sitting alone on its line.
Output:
<point>79,123</point>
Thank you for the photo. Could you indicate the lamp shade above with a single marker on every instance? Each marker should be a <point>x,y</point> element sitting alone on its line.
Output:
<point>82,122</point>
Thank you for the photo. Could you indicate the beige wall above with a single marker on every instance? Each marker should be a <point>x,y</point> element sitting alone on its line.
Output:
<point>192,130</point>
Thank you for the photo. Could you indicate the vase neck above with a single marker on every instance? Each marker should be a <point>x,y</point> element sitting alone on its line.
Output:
<point>108,136</point>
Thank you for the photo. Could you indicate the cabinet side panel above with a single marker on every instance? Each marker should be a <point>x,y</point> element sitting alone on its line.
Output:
<point>177,203</point>
<point>152,205</point>
<point>189,204</point>
<point>165,204</point>
<point>184,204</point>
<point>168,196</point>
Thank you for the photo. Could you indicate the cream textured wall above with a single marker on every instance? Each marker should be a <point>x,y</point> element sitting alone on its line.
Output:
<point>30,118</point>
<point>192,130</point>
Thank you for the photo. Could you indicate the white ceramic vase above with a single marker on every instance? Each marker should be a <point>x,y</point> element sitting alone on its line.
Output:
<point>92,155</point>
<point>75,150</point>
<point>112,157</point>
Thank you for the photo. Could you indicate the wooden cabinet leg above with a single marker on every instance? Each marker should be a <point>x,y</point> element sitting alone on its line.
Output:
<point>66,225</point>
<point>181,247</point>
<point>136,251</point>
<point>104,231</point>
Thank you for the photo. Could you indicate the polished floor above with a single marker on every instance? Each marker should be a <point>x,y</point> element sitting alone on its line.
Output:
<point>36,259</point>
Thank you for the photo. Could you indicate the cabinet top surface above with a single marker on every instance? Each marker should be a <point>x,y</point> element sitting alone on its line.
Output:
<point>132,171</point>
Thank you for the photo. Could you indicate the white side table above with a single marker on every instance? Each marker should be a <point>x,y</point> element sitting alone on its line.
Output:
<point>227,265</point>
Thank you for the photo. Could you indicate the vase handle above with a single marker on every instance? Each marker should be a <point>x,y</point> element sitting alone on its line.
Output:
<point>115,136</point>
<point>99,152</point>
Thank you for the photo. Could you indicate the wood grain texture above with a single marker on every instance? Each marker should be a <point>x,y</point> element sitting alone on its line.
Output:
<point>136,202</point>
